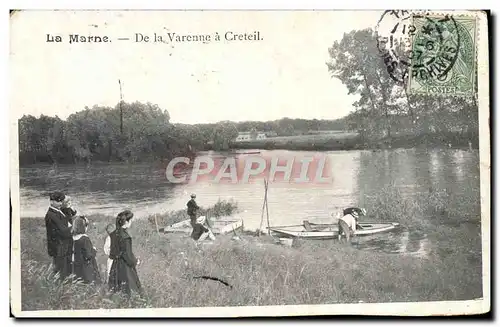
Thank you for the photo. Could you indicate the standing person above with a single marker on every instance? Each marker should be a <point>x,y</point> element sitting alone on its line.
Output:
<point>107,248</point>
<point>59,237</point>
<point>192,209</point>
<point>84,253</point>
<point>123,274</point>
<point>347,223</point>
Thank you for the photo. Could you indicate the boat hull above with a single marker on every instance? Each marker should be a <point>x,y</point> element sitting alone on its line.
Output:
<point>219,227</point>
<point>329,231</point>
<point>305,234</point>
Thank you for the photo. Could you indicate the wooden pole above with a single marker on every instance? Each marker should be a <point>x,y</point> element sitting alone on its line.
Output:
<point>156,223</point>
<point>263,206</point>
<point>121,109</point>
<point>267,210</point>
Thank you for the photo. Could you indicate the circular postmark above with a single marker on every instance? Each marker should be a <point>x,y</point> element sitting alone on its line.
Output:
<point>424,46</point>
<point>394,30</point>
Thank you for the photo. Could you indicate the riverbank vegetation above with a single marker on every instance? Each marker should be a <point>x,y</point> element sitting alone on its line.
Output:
<point>260,272</point>
<point>96,134</point>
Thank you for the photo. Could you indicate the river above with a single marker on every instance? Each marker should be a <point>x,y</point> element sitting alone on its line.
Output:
<point>357,178</point>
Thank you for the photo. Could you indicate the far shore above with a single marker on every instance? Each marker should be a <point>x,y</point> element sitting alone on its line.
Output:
<point>325,142</point>
<point>352,141</point>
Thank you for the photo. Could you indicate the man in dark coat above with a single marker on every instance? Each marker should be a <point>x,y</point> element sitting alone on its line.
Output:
<point>59,237</point>
<point>192,209</point>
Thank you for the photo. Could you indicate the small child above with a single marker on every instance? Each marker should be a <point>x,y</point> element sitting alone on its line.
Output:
<point>84,253</point>
<point>107,248</point>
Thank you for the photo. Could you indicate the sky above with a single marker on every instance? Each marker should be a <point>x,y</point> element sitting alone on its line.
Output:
<point>282,75</point>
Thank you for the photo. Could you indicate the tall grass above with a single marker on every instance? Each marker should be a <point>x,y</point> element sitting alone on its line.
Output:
<point>258,271</point>
<point>424,210</point>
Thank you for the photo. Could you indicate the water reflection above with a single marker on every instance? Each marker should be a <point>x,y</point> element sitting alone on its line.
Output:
<point>359,177</point>
<point>402,241</point>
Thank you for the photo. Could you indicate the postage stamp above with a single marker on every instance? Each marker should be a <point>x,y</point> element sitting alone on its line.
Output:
<point>204,163</point>
<point>430,53</point>
<point>444,55</point>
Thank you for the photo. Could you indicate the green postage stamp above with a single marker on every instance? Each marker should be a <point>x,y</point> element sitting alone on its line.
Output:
<point>443,57</point>
<point>430,53</point>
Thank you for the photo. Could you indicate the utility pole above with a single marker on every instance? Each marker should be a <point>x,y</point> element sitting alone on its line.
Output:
<point>121,109</point>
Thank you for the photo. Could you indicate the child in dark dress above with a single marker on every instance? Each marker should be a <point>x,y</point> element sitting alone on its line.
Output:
<point>84,261</point>
<point>123,274</point>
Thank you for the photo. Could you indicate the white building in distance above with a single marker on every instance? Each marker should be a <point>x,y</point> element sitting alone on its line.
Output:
<point>249,136</point>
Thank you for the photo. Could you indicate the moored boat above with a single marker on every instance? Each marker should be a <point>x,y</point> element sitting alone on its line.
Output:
<point>329,231</point>
<point>218,227</point>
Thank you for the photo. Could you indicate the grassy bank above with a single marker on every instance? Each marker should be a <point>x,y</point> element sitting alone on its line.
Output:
<point>352,141</point>
<point>259,271</point>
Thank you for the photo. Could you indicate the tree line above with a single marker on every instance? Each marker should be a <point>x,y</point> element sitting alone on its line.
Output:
<point>97,134</point>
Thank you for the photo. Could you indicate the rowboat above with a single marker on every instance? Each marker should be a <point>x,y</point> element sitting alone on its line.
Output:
<point>329,231</point>
<point>218,227</point>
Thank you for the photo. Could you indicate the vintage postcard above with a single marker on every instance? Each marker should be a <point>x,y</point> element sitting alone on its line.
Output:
<point>170,163</point>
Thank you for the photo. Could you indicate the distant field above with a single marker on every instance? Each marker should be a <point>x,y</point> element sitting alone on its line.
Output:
<point>303,142</point>
<point>311,138</point>
<point>353,141</point>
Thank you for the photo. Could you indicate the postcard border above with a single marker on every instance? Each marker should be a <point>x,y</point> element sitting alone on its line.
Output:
<point>441,308</point>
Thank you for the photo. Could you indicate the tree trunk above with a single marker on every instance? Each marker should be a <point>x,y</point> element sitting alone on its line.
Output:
<point>386,109</point>
<point>110,153</point>
<point>369,93</point>
<point>410,108</point>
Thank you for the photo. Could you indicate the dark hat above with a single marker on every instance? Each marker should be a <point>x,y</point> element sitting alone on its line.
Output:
<point>57,196</point>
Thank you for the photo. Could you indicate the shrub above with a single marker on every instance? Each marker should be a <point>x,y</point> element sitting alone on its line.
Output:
<point>220,209</point>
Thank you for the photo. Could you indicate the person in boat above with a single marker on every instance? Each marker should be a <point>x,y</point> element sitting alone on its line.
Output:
<point>359,211</point>
<point>84,253</point>
<point>348,222</point>
<point>59,236</point>
<point>192,209</point>
<point>200,231</point>
<point>123,274</point>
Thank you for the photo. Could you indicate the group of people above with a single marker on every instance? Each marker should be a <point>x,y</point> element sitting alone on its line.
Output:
<point>347,222</point>
<point>73,253</point>
<point>200,230</point>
